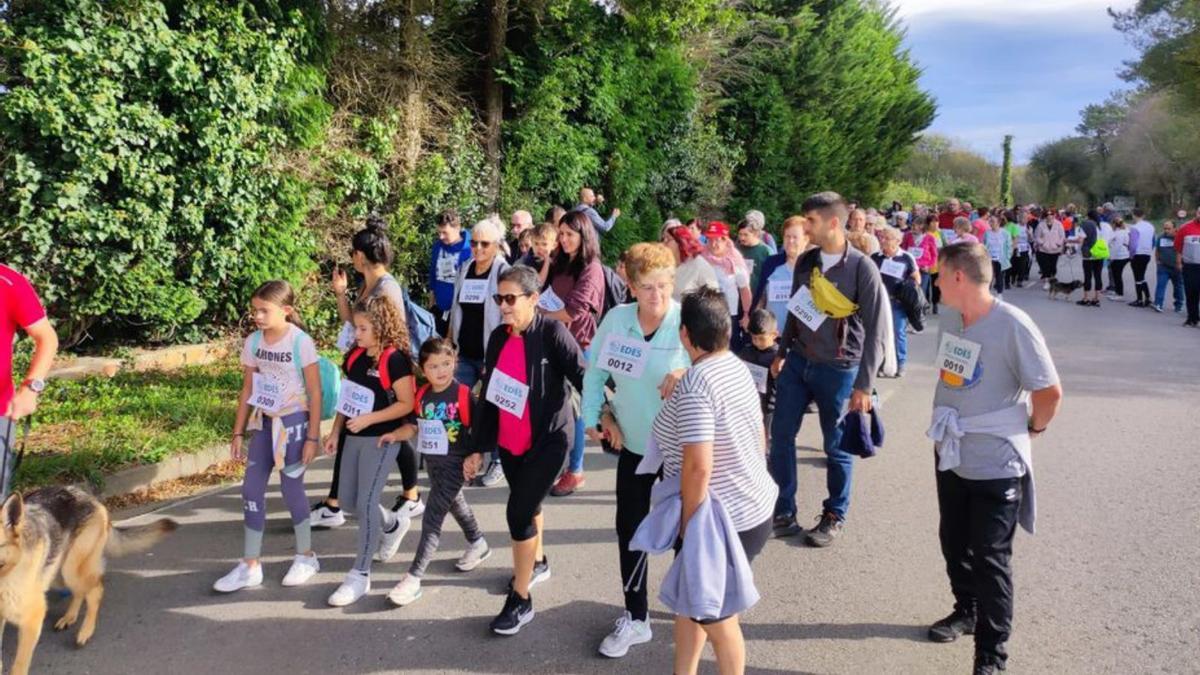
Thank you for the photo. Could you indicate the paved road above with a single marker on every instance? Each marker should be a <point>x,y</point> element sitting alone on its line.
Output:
<point>1111,583</point>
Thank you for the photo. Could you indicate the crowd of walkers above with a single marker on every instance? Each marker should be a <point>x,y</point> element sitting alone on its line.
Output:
<point>694,362</point>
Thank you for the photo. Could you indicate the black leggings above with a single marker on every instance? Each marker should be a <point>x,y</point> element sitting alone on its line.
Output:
<point>1093,269</point>
<point>530,478</point>
<point>1140,263</point>
<point>1116,270</point>
<point>997,278</point>
<point>633,503</point>
<point>1048,264</point>
<point>406,460</point>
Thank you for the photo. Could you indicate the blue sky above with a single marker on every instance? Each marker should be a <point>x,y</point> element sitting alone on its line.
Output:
<point>1024,67</point>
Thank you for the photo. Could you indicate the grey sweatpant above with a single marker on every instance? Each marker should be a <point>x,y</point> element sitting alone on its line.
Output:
<point>364,473</point>
<point>445,494</point>
<point>8,442</point>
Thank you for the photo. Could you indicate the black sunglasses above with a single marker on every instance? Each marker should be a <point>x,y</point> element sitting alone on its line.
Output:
<point>482,244</point>
<point>508,298</point>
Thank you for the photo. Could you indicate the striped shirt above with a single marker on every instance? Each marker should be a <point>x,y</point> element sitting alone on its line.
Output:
<point>717,402</point>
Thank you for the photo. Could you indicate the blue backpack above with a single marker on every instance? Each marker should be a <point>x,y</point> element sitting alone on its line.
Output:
<point>421,325</point>
<point>331,378</point>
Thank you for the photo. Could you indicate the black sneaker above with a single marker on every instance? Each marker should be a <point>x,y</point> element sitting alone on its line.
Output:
<point>829,526</point>
<point>785,526</point>
<point>541,572</point>
<point>985,665</point>
<point>516,613</point>
<point>950,628</point>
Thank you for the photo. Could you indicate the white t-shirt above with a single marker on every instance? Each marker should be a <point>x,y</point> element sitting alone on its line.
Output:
<point>1118,244</point>
<point>717,402</point>
<point>829,260</point>
<point>277,361</point>
<point>1145,238</point>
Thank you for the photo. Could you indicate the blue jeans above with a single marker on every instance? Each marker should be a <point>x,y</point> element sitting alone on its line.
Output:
<point>900,327</point>
<point>1160,291</point>
<point>468,372</point>
<point>927,286</point>
<point>801,382</point>
<point>575,463</point>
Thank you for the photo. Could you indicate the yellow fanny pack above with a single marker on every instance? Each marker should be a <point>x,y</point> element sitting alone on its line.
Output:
<point>828,298</point>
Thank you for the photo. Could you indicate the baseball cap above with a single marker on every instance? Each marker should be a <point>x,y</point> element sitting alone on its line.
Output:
<point>717,229</point>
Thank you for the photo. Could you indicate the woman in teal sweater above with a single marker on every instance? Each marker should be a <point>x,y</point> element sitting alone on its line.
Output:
<point>638,347</point>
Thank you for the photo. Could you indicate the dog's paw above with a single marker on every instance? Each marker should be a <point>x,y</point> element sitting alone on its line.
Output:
<point>66,622</point>
<point>84,635</point>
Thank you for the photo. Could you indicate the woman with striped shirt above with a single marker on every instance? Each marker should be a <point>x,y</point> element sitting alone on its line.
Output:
<point>710,433</point>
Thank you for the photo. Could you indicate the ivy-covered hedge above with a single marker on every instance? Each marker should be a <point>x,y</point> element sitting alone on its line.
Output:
<point>160,158</point>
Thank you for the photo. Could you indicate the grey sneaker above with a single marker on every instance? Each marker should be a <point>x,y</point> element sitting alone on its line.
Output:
<point>829,526</point>
<point>493,475</point>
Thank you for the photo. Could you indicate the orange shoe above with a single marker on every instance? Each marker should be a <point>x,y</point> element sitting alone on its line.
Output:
<point>567,483</point>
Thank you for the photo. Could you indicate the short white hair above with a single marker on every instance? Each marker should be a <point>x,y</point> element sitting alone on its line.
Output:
<point>889,232</point>
<point>755,219</point>
<point>488,226</point>
<point>523,217</point>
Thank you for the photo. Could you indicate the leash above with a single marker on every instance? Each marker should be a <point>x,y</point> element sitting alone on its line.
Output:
<point>5,474</point>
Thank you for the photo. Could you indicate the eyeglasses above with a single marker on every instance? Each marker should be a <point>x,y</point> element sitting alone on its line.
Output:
<point>508,298</point>
<point>475,243</point>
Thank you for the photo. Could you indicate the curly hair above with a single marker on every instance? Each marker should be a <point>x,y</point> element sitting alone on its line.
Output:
<point>390,329</point>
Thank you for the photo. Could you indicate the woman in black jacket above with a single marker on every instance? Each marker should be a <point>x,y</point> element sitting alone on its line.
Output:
<point>529,358</point>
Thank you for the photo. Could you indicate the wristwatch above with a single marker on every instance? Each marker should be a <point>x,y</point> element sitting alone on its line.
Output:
<point>36,385</point>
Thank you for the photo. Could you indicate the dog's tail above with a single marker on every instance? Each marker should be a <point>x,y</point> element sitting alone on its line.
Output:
<point>127,540</point>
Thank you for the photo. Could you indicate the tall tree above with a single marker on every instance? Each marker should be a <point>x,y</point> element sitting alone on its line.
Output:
<point>493,92</point>
<point>1006,197</point>
<point>1167,32</point>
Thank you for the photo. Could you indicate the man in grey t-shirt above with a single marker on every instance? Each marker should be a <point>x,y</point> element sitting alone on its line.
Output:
<point>994,366</point>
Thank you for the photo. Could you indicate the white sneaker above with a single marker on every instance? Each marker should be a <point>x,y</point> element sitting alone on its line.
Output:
<point>411,508</point>
<point>354,587</point>
<point>1046,286</point>
<point>323,516</point>
<point>476,553</point>
<point>242,576</point>
<point>406,592</point>
<point>627,633</point>
<point>389,543</point>
<point>303,568</point>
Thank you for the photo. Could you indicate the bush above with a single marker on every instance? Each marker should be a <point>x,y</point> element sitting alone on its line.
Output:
<point>139,158</point>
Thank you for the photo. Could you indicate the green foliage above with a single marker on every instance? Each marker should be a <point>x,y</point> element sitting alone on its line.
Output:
<point>137,156</point>
<point>832,102</point>
<point>1006,197</point>
<point>89,428</point>
<point>1168,34</point>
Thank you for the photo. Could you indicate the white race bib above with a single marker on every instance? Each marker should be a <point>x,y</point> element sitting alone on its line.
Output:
<point>355,400</point>
<point>507,394</point>
<point>958,356</point>
<point>893,268</point>
<point>623,356</point>
<point>759,374</point>
<point>1166,242</point>
<point>431,438</point>
<point>473,291</point>
<point>779,290</point>
<point>729,288</point>
<point>804,308</point>
<point>266,394</point>
<point>949,236</point>
<point>550,302</point>
<point>916,252</point>
<point>447,268</point>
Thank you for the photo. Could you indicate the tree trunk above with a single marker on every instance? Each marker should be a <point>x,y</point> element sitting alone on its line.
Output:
<point>493,94</point>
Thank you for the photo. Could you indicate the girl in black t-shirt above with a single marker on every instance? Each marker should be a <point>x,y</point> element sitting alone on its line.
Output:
<point>376,400</point>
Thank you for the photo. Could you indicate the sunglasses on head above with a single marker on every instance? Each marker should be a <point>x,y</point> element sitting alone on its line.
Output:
<point>508,298</point>
<point>475,243</point>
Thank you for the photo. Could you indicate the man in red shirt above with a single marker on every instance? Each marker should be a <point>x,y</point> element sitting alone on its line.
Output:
<point>20,309</point>
<point>1187,246</point>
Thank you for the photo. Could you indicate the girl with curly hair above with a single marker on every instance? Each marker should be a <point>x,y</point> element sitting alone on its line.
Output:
<point>376,401</point>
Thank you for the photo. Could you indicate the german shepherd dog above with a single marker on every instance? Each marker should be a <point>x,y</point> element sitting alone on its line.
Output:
<point>53,530</point>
